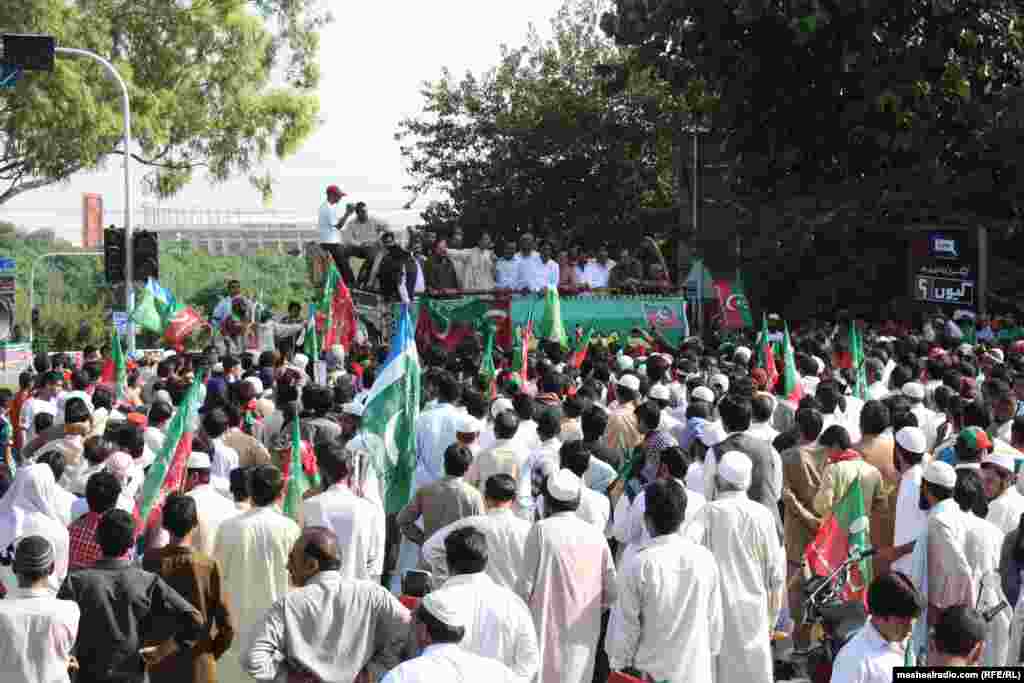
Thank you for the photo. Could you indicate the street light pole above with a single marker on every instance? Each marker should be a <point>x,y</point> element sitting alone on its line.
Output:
<point>32,283</point>
<point>126,111</point>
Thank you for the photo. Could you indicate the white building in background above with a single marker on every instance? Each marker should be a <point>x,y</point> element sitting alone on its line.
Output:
<point>232,232</point>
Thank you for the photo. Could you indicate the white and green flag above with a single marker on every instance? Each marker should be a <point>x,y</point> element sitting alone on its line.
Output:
<point>392,407</point>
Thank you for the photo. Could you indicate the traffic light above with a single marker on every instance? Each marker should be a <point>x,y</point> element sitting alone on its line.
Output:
<point>146,248</point>
<point>113,255</point>
<point>29,52</point>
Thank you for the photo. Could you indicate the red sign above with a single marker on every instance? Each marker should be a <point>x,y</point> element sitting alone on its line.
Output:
<point>92,220</point>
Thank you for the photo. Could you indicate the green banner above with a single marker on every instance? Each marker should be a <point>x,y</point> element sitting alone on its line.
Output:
<point>606,315</point>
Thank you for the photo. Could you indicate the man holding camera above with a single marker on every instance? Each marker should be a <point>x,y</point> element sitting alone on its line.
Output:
<point>343,238</point>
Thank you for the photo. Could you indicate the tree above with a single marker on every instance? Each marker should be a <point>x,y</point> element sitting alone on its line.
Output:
<point>218,85</point>
<point>538,143</point>
<point>849,107</point>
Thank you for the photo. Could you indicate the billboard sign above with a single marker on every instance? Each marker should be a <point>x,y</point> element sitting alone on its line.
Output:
<point>944,268</point>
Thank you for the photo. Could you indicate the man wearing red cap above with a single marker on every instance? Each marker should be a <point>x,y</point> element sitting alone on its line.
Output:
<point>330,229</point>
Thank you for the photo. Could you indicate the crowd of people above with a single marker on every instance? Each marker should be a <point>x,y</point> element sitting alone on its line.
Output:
<point>646,512</point>
<point>396,261</point>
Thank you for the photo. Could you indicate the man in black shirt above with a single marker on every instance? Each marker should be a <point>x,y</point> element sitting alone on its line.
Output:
<point>119,604</point>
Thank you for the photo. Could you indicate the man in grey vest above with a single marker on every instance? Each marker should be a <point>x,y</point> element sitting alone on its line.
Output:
<point>735,412</point>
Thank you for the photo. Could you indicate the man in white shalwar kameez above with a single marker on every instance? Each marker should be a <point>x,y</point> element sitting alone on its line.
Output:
<point>253,551</point>
<point>742,535</point>
<point>983,548</point>
<point>435,432</point>
<point>498,623</point>
<point>440,626</point>
<point>942,572</point>
<point>506,534</point>
<point>667,622</point>
<point>568,580</point>
<point>1006,504</point>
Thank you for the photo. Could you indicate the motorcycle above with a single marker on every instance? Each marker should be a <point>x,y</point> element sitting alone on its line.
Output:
<point>838,619</point>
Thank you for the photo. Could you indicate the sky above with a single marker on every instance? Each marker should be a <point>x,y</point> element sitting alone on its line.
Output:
<point>374,59</point>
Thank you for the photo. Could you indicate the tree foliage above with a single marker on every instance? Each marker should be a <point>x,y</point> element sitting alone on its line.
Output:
<point>218,85</point>
<point>538,142</point>
<point>856,105</point>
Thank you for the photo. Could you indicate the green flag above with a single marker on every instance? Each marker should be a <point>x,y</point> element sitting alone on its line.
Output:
<point>116,369</point>
<point>487,369</point>
<point>742,305</point>
<point>300,479</point>
<point>792,389</point>
<point>392,407</point>
<point>311,338</point>
<point>860,385</point>
<point>146,315</point>
<point>551,328</point>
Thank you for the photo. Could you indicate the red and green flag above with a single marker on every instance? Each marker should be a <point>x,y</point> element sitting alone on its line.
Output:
<point>300,472</point>
<point>792,389</point>
<point>339,310</point>
<point>766,355</point>
<point>115,369</point>
<point>521,353</point>
<point>845,529</point>
<point>732,301</point>
<point>448,322</point>
<point>164,316</point>
<point>582,346</point>
<point>167,472</point>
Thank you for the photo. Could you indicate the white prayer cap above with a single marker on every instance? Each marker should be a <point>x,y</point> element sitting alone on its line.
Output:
<point>630,382</point>
<point>659,392</point>
<point>162,395</point>
<point>720,380</point>
<point>500,406</point>
<point>467,424</point>
<point>624,362</point>
<point>1000,459</point>
<point>820,363</point>
<point>941,474</point>
<point>443,608</point>
<point>198,460</point>
<point>913,390</point>
<point>736,468</point>
<point>257,383</point>
<point>218,367</point>
<point>912,439</point>
<point>702,394</point>
<point>712,434</point>
<point>168,354</point>
<point>742,354</point>
<point>564,486</point>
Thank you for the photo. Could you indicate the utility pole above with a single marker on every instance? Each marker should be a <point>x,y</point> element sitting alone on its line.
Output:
<point>37,53</point>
